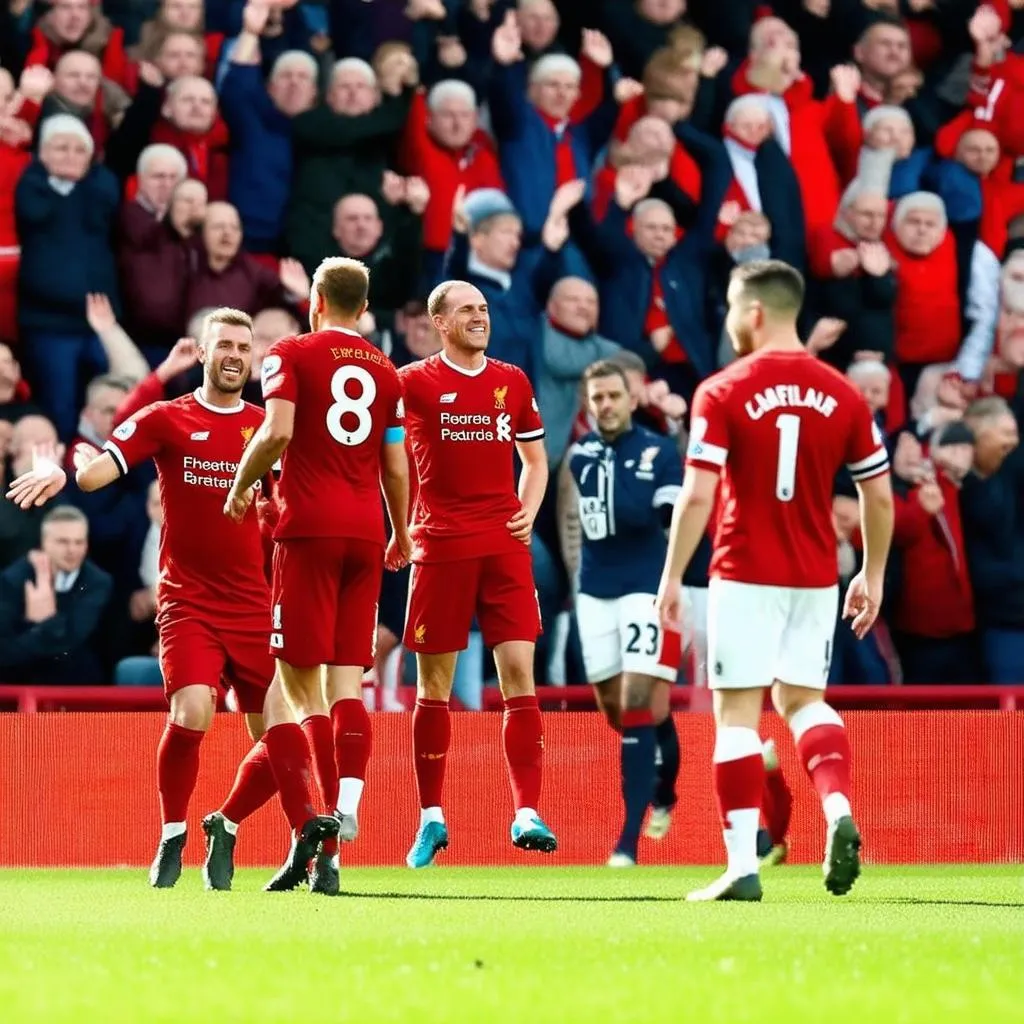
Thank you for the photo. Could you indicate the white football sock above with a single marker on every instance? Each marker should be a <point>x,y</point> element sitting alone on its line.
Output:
<point>431,814</point>
<point>835,806</point>
<point>172,829</point>
<point>525,816</point>
<point>741,842</point>
<point>231,827</point>
<point>350,792</point>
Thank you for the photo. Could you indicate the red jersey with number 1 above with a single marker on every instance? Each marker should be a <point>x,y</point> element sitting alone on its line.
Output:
<point>779,426</point>
<point>347,398</point>
<point>463,427</point>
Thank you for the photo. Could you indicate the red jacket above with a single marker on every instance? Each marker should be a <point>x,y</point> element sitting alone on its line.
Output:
<point>444,171</point>
<point>936,599</point>
<point>206,155</point>
<point>927,311</point>
<point>113,60</point>
<point>817,130</point>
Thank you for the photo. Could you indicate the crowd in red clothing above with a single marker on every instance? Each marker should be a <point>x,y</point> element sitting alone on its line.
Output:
<point>597,170</point>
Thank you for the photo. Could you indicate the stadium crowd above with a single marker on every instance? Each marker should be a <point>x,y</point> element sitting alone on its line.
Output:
<point>596,170</point>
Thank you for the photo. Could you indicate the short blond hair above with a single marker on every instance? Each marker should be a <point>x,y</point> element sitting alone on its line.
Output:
<point>227,316</point>
<point>343,283</point>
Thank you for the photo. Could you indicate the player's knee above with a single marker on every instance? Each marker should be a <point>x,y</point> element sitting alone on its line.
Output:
<point>636,693</point>
<point>193,707</point>
<point>788,700</point>
<point>738,708</point>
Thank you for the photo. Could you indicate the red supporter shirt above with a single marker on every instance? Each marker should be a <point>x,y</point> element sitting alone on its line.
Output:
<point>348,401</point>
<point>463,426</point>
<point>210,567</point>
<point>779,426</point>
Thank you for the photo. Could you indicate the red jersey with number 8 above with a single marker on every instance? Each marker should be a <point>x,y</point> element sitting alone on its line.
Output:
<point>347,397</point>
<point>779,426</point>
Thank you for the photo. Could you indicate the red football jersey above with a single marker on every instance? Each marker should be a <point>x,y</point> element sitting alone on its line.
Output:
<point>462,428</point>
<point>779,426</point>
<point>348,404</point>
<point>209,565</point>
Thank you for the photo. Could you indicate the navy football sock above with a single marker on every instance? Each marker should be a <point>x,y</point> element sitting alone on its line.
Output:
<point>638,748</point>
<point>668,763</point>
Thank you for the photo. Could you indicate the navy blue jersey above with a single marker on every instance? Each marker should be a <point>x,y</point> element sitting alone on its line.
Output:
<point>627,489</point>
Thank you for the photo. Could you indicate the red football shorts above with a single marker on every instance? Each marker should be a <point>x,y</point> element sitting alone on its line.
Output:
<point>444,596</point>
<point>193,652</point>
<point>325,601</point>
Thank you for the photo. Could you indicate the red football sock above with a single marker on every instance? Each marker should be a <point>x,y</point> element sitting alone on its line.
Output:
<point>289,757</point>
<point>321,745</point>
<point>739,782</point>
<point>352,737</point>
<point>522,735</point>
<point>431,736</point>
<point>177,768</point>
<point>777,805</point>
<point>825,753</point>
<point>254,785</point>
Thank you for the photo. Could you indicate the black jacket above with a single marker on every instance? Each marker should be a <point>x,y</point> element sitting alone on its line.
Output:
<point>59,650</point>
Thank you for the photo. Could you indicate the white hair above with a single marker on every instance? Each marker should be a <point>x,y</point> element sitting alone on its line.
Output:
<point>885,113</point>
<point>451,89</point>
<point>919,201</point>
<point>295,58</point>
<point>863,370</point>
<point>355,64</point>
<point>855,190</point>
<point>652,204</point>
<point>554,64</point>
<point>161,151</point>
<point>65,124</point>
<point>753,102</point>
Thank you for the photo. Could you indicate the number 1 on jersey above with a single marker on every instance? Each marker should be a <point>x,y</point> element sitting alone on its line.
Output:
<point>788,427</point>
<point>358,406</point>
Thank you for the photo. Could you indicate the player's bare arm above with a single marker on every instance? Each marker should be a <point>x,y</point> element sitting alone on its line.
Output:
<point>94,469</point>
<point>394,481</point>
<point>864,595</point>
<point>43,481</point>
<point>689,523</point>
<point>267,446</point>
<point>533,482</point>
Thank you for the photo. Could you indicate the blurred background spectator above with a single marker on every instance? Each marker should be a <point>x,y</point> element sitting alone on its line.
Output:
<point>597,170</point>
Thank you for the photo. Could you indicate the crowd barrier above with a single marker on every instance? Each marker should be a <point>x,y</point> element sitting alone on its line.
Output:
<point>78,789</point>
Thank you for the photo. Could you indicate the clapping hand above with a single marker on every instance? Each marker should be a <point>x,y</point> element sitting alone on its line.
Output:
<point>43,481</point>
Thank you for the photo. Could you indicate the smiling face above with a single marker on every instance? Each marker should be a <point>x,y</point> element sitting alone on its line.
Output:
<point>464,323</point>
<point>226,351</point>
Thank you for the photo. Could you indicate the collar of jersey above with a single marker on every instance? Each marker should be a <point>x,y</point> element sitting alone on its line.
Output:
<point>198,396</point>
<point>458,369</point>
<point>343,330</point>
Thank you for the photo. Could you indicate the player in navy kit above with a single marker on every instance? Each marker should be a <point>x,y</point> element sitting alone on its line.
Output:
<point>628,479</point>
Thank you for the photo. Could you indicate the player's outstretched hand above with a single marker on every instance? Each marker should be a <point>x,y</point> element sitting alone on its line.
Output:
<point>237,504</point>
<point>669,604</point>
<point>521,526</point>
<point>43,481</point>
<point>863,600</point>
<point>399,552</point>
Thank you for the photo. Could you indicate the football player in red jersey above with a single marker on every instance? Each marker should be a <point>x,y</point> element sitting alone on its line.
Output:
<point>772,430</point>
<point>466,417</point>
<point>213,603</point>
<point>335,419</point>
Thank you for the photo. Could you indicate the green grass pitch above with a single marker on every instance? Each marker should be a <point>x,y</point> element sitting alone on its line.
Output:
<point>524,945</point>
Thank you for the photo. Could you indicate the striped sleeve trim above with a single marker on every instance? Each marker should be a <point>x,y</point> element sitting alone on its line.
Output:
<point>874,465</point>
<point>119,458</point>
<point>531,435</point>
<point>667,495</point>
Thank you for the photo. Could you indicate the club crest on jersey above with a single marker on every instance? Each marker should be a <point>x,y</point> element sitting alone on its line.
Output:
<point>499,396</point>
<point>247,433</point>
<point>420,634</point>
<point>645,469</point>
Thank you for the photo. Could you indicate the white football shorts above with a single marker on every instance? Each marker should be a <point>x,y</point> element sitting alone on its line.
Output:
<point>759,633</point>
<point>622,634</point>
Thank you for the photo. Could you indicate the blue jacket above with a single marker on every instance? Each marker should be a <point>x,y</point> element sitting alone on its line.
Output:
<point>516,310</point>
<point>65,248</point>
<point>627,276</point>
<point>261,155</point>
<point>527,144</point>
